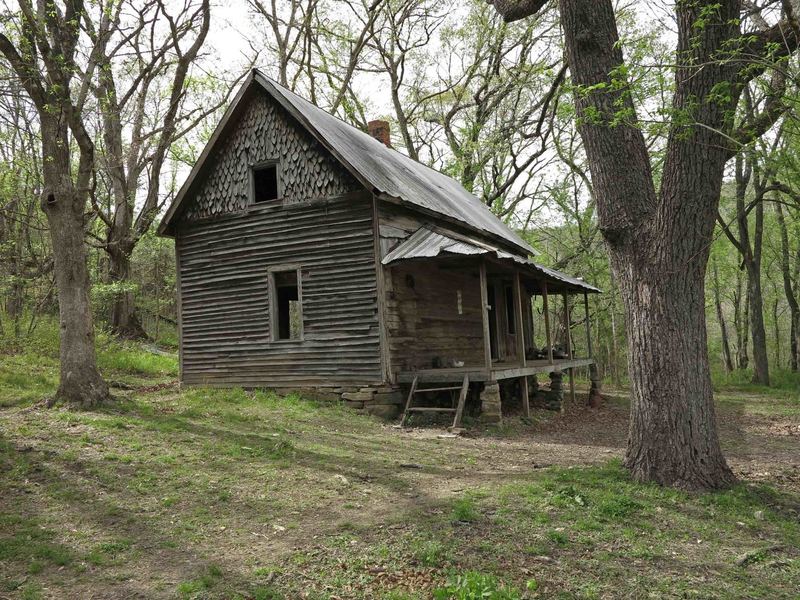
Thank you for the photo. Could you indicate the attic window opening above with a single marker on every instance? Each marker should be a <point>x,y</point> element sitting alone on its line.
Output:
<point>265,183</point>
<point>287,314</point>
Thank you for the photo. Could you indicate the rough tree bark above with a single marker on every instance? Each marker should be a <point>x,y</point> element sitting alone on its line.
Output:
<point>659,241</point>
<point>81,383</point>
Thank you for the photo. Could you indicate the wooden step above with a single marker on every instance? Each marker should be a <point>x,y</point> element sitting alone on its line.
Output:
<point>458,410</point>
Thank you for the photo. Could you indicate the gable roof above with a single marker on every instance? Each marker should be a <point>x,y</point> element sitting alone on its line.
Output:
<point>393,176</point>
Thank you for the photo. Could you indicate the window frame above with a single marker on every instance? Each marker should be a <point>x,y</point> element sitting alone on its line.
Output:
<point>274,326</point>
<point>273,162</point>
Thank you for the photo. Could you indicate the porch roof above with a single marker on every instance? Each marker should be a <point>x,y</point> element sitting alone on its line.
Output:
<point>430,242</point>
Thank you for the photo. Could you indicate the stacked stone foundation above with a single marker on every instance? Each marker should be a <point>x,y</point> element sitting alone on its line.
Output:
<point>382,400</point>
<point>387,401</point>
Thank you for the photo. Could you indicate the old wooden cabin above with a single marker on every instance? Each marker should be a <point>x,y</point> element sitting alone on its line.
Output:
<point>311,256</point>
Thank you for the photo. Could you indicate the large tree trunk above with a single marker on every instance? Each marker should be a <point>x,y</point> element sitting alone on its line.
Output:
<point>658,243</point>
<point>81,384</point>
<point>672,437</point>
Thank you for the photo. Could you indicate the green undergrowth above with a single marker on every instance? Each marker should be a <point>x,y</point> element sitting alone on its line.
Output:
<point>783,383</point>
<point>29,365</point>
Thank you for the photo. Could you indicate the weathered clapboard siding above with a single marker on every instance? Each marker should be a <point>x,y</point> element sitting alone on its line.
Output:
<point>423,321</point>
<point>266,132</point>
<point>225,296</point>
<point>322,224</point>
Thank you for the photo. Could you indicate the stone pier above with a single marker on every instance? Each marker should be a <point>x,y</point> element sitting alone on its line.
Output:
<point>490,403</point>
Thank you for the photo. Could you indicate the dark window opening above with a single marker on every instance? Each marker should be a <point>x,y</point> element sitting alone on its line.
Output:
<point>288,319</point>
<point>265,183</point>
<point>510,313</point>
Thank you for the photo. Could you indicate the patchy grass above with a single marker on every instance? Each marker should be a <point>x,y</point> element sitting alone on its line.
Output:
<point>208,493</point>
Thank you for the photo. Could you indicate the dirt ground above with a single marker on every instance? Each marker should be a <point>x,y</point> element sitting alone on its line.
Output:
<point>758,447</point>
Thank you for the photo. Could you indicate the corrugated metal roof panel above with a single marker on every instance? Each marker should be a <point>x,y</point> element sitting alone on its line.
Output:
<point>393,173</point>
<point>430,243</point>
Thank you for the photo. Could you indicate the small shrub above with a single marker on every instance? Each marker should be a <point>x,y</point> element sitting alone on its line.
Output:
<point>619,507</point>
<point>266,592</point>
<point>558,537</point>
<point>476,586</point>
<point>464,510</point>
<point>429,553</point>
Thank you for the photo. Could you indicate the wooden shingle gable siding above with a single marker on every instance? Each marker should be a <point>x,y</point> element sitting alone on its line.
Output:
<point>263,133</point>
<point>323,225</point>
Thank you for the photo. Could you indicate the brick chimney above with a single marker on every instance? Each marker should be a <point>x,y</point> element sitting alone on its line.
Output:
<point>380,131</point>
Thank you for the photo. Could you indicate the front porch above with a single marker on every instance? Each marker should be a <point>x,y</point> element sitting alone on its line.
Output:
<point>498,372</point>
<point>501,304</point>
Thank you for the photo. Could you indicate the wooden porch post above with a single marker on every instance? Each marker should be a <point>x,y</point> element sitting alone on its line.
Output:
<point>568,343</point>
<point>521,344</point>
<point>546,310</point>
<point>588,326</point>
<point>487,349</point>
<point>518,317</point>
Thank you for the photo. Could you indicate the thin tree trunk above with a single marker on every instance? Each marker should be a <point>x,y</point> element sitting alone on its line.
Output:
<point>789,289</point>
<point>124,319</point>
<point>726,348</point>
<point>741,324</point>
<point>758,332</point>
<point>777,330</point>
<point>751,254</point>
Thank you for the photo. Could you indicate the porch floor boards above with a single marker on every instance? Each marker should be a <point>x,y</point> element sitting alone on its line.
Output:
<point>498,371</point>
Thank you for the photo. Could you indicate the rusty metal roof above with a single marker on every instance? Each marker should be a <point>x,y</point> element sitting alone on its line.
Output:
<point>392,173</point>
<point>429,242</point>
<point>393,176</point>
